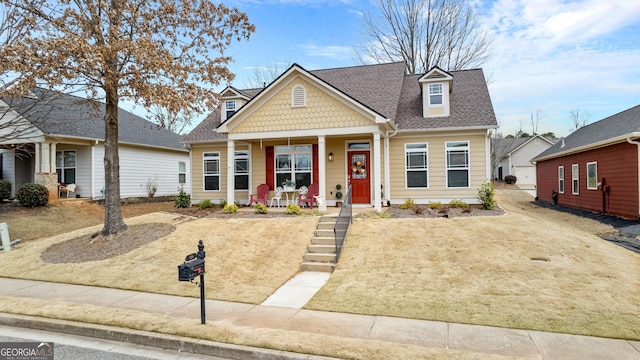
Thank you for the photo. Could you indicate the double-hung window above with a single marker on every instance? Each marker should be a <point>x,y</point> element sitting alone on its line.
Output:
<point>561,179</point>
<point>230,107</point>
<point>435,94</point>
<point>211,166</point>
<point>66,166</point>
<point>416,165</point>
<point>241,181</point>
<point>575,177</point>
<point>182,172</point>
<point>457,164</point>
<point>293,163</point>
<point>592,175</point>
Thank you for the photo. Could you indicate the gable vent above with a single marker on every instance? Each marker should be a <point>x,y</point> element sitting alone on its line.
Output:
<point>298,96</point>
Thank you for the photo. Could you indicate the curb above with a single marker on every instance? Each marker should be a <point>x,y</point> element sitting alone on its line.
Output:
<point>159,340</point>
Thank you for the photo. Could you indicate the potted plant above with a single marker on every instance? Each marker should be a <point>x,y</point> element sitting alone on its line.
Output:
<point>289,185</point>
<point>339,195</point>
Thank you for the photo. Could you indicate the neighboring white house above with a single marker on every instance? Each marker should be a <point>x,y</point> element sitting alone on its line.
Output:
<point>60,139</point>
<point>513,157</point>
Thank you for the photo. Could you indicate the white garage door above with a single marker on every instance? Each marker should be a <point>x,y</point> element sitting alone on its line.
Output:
<point>526,175</point>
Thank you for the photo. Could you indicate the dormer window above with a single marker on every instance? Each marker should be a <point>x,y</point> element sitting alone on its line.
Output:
<point>230,107</point>
<point>435,94</point>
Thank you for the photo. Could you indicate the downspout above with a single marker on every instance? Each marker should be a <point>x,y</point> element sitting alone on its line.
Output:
<point>636,135</point>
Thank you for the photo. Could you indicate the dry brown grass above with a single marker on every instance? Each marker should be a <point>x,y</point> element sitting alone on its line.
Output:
<point>64,216</point>
<point>479,271</point>
<point>247,259</point>
<point>468,270</point>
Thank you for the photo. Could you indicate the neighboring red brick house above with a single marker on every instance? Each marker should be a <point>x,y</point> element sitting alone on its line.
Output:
<point>595,168</point>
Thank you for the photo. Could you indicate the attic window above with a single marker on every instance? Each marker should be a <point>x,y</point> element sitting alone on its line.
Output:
<point>298,96</point>
<point>230,107</point>
<point>435,94</point>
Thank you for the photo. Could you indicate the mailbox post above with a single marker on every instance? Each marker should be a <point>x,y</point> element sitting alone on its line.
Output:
<point>192,267</point>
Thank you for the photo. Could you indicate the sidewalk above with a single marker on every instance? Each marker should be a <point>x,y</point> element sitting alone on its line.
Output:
<point>432,334</point>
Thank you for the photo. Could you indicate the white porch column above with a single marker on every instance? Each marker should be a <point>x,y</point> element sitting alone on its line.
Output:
<point>46,161</point>
<point>38,156</point>
<point>322,172</point>
<point>231,146</point>
<point>52,159</point>
<point>387,174</point>
<point>377,164</point>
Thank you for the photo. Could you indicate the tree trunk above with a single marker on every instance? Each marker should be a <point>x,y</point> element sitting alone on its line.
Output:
<point>113,222</point>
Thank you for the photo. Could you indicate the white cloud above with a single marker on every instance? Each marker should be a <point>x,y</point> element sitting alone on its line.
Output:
<point>329,51</point>
<point>558,56</point>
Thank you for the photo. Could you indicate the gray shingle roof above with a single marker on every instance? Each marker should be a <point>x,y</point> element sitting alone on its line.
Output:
<point>470,103</point>
<point>72,116</point>
<point>385,89</point>
<point>206,130</point>
<point>610,128</point>
<point>504,146</point>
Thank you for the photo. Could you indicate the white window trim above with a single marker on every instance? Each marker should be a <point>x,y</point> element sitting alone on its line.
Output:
<point>182,173</point>
<point>228,108</point>
<point>248,157</point>
<point>575,179</point>
<point>298,96</point>
<point>406,170</point>
<point>446,164</point>
<point>291,153</point>
<point>204,174</point>
<point>596,165</point>
<point>441,93</point>
<point>62,167</point>
<point>561,188</point>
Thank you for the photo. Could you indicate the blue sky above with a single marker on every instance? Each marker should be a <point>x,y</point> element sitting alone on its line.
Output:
<point>547,55</point>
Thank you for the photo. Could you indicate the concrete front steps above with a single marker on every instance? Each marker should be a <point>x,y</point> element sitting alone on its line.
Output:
<point>321,254</point>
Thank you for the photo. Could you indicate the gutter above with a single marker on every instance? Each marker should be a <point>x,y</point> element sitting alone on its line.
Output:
<point>591,146</point>
<point>638,178</point>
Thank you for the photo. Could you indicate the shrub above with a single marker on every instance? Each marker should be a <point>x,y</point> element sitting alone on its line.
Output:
<point>486,196</point>
<point>5,189</point>
<point>260,208</point>
<point>293,210</point>
<point>223,203</point>
<point>407,204</point>
<point>456,203</point>
<point>205,204</point>
<point>230,208</point>
<point>510,179</point>
<point>32,195</point>
<point>183,200</point>
<point>435,205</point>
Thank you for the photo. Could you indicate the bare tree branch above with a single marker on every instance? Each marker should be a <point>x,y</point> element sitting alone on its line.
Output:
<point>424,34</point>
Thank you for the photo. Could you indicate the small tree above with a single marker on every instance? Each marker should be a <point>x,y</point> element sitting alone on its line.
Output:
<point>486,196</point>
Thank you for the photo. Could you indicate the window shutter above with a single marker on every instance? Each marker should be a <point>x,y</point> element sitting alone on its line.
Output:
<point>314,158</point>
<point>269,166</point>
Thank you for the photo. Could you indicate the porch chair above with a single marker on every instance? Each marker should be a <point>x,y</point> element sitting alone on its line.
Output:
<point>261,197</point>
<point>67,189</point>
<point>310,197</point>
<point>277,195</point>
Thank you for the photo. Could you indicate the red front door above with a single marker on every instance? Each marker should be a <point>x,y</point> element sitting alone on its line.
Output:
<point>358,173</point>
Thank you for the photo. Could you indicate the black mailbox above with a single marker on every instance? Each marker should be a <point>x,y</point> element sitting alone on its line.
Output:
<point>190,269</point>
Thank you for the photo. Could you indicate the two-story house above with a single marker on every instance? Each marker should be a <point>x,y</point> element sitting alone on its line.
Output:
<point>388,135</point>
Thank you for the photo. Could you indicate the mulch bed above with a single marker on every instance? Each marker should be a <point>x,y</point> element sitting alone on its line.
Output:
<point>423,211</point>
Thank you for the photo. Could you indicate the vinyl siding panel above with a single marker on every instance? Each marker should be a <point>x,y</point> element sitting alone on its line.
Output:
<point>437,190</point>
<point>139,166</point>
<point>617,165</point>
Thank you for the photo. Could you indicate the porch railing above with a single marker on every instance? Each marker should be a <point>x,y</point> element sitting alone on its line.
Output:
<point>342,223</point>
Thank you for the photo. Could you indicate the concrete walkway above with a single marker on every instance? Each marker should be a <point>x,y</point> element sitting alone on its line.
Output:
<point>433,334</point>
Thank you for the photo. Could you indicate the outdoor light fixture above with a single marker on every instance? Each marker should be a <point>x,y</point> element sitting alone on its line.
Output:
<point>330,157</point>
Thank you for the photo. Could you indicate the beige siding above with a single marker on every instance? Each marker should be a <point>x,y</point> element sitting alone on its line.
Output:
<point>197,174</point>
<point>437,190</point>
<point>322,111</point>
<point>435,111</point>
